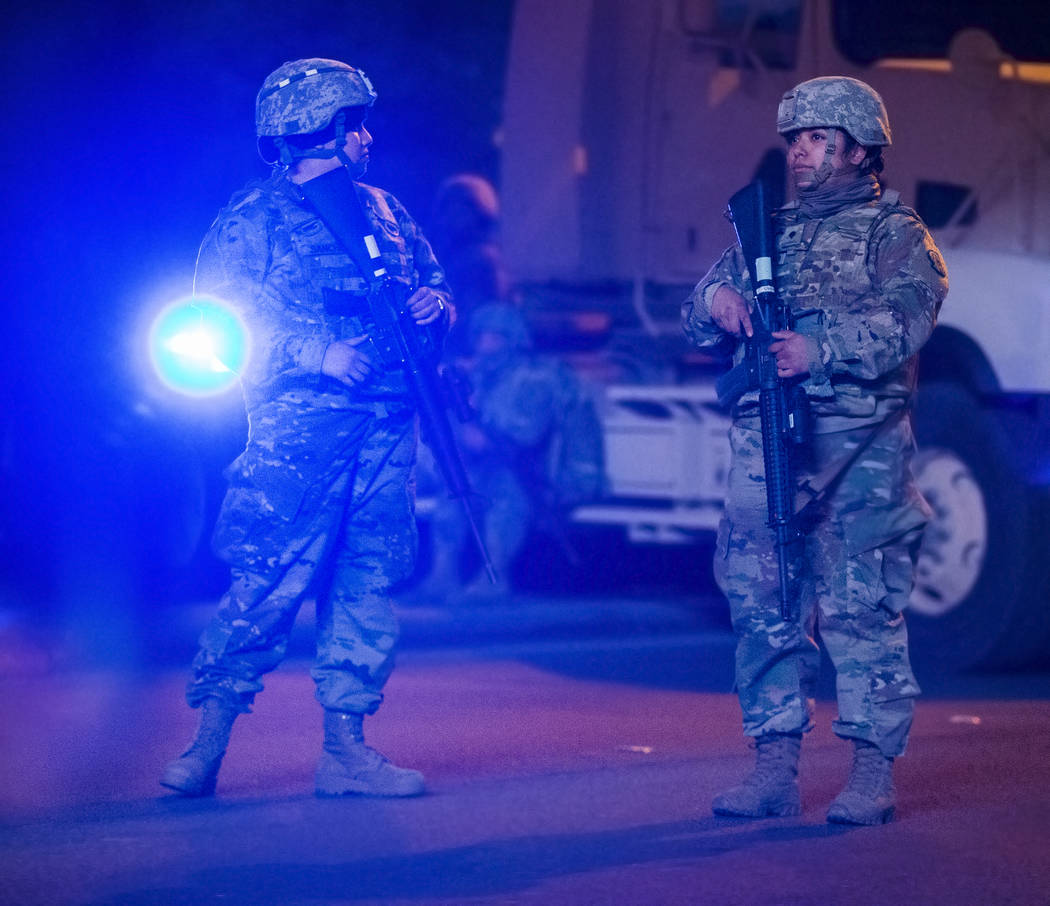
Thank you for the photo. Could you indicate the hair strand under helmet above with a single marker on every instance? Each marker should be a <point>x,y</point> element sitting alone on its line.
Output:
<point>303,97</point>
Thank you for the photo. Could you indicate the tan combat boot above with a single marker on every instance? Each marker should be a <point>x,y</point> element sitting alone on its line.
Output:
<point>349,767</point>
<point>195,771</point>
<point>869,796</point>
<point>771,789</point>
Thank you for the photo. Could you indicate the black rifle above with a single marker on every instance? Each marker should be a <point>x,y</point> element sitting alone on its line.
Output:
<point>398,339</point>
<point>782,404</point>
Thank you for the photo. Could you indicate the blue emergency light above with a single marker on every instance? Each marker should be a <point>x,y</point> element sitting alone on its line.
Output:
<point>198,346</point>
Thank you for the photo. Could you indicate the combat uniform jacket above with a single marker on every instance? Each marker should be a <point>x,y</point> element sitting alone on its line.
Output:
<point>270,255</point>
<point>866,283</point>
<point>297,289</point>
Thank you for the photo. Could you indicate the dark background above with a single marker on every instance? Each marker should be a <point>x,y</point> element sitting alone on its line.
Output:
<point>126,126</point>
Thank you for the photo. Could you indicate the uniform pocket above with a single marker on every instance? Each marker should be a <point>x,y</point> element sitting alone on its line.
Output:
<point>244,530</point>
<point>882,576</point>
<point>272,487</point>
<point>870,527</point>
<point>864,579</point>
<point>720,562</point>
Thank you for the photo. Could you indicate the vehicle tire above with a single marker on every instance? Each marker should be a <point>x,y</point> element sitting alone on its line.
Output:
<point>976,597</point>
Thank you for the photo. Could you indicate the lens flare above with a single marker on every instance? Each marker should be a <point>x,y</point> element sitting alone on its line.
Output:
<point>198,346</point>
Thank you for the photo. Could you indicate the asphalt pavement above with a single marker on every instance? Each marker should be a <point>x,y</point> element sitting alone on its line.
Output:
<point>560,771</point>
<point>571,745</point>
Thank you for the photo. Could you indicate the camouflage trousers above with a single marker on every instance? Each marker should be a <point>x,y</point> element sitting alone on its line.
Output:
<point>852,574</point>
<point>324,510</point>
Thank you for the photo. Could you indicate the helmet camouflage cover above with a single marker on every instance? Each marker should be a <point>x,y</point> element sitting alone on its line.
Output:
<point>302,97</point>
<point>836,102</point>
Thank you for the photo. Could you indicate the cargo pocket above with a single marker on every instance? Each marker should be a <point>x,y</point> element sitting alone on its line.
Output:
<point>864,578</point>
<point>881,546</point>
<point>739,562</point>
<point>262,500</point>
<point>244,529</point>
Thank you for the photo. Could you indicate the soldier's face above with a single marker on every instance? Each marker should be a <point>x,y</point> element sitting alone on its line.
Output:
<point>355,147</point>
<point>807,152</point>
<point>358,141</point>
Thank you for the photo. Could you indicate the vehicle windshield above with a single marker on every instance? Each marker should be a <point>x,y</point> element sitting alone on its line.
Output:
<point>868,32</point>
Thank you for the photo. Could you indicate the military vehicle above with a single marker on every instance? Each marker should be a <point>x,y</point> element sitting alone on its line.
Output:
<point>627,126</point>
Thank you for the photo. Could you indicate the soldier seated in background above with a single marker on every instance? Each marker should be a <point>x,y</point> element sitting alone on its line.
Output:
<point>532,449</point>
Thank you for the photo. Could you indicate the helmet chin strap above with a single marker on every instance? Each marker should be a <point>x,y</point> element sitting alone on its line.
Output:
<point>340,141</point>
<point>289,155</point>
<point>825,169</point>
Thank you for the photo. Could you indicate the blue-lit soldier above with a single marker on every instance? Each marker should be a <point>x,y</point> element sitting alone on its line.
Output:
<point>320,503</point>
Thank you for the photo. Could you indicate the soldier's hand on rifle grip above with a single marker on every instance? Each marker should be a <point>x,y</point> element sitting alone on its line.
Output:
<point>345,362</point>
<point>730,312</point>
<point>794,352</point>
<point>425,305</point>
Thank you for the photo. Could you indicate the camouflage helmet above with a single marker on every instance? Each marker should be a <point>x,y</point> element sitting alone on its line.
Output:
<point>302,97</point>
<point>836,102</point>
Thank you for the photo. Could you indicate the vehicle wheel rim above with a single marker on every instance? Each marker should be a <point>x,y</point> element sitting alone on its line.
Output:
<point>955,543</point>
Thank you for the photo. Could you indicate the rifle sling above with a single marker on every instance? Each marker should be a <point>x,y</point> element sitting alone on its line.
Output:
<point>819,487</point>
<point>334,197</point>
